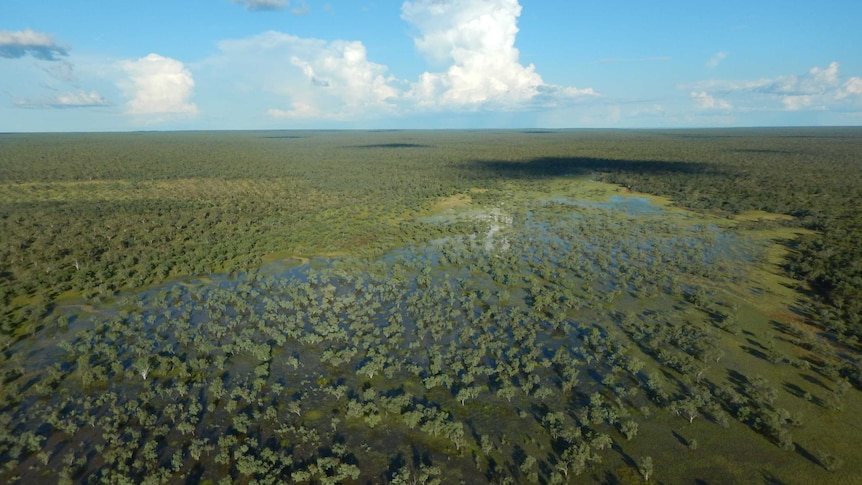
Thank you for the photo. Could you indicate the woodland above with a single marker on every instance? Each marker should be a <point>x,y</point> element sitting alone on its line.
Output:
<point>432,307</point>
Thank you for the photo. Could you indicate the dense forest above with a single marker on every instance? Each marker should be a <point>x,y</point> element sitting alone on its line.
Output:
<point>672,306</point>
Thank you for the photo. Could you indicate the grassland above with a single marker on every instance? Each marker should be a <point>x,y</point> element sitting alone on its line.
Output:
<point>431,307</point>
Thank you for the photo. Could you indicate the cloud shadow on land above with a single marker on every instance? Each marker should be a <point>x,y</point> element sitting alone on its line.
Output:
<point>560,167</point>
<point>393,145</point>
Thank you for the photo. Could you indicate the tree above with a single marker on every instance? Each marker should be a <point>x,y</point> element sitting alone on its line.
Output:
<point>142,365</point>
<point>576,457</point>
<point>507,391</point>
<point>629,429</point>
<point>554,423</point>
<point>687,408</point>
<point>645,467</point>
<point>295,407</point>
<point>486,444</point>
<point>467,393</point>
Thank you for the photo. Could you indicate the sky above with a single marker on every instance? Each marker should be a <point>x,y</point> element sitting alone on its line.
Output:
<point>124,65</point>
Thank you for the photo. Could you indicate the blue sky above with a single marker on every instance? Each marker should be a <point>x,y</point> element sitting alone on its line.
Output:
<point>87,65</point>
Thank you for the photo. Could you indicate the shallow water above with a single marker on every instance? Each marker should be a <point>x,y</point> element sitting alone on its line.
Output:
<point>525,286</point>
<point>634,206</point>
<point>276,281</point>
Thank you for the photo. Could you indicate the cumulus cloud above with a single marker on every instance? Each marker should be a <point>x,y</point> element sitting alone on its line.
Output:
<point>819,88</point>
<point>853,86</point>
<point>77,99</point>
<point>476,40</point>
<point>716,59</point>
<point>263,4</point>
<point>60,72</point>
<point>470,43</point>
<point>16,44</point>
<point>705,101</point>
<point>158,85</point>
<point>314,78</point>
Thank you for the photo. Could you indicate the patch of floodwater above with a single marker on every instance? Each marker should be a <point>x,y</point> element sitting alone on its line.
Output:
<point>498,231</point>
<point>158,302</point>
<point>634,206</point>
<point>493,239</point>
<point>451,216</point>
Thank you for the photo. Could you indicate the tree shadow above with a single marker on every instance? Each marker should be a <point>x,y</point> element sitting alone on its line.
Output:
<point>195,475</point>
<point>396,464</point>
<point>755,343</point>
<point>815,381</point>
<point>769,478</point>
<point>754,352</point>
<point>806,454</point>
<point>738,380</point>
<point>627,459</point>
<point>518,457</point>
<point>681,439</point>
<point>611,478</point>
<point>803,394</point>
<point>786,329</point>
<point>495,472</point>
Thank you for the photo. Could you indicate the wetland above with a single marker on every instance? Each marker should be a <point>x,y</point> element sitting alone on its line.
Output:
<point>431,307</point>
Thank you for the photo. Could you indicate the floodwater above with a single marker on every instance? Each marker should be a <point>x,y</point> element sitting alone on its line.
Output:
<point>304,328</point>
<point>503,232</point>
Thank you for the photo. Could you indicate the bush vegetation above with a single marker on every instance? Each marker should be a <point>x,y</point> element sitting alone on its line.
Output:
<point>430,307</point>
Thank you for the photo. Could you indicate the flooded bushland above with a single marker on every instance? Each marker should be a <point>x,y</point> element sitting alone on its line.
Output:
<point>527,345</point>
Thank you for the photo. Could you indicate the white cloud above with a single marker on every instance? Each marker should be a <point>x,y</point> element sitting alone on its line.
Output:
<point>798,102</point>
<point>158,85</point>
<point>716,59</point>
<point>56,76</point>
<point>311,78</point>
<point>816,82</point>
<point>16,44</point>
<point>476,40</point>
<point>471,41</point>
<point>705,101</point>
<point>78,99</point>
<point>853,86</point>
<point>301,8</point>
<point>81,98</point>
<point>299,111</point>
<point>818,89</point>
<point>263,4</point>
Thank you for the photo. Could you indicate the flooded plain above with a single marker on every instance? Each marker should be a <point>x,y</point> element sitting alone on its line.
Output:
<point>504,348</point>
